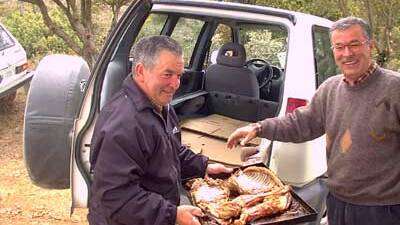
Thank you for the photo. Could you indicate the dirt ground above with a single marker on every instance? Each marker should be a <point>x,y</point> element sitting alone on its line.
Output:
<point>21,202</point>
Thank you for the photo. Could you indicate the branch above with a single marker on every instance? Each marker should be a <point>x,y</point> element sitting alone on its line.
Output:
<point>53,27</point>
<point>343,7</point>
<point>62,6</point>
<point>72,16</point>
<point>86,13</point>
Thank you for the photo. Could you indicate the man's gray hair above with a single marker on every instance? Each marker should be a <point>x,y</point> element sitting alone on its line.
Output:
<point>146,50</point>
<point>347,22</point>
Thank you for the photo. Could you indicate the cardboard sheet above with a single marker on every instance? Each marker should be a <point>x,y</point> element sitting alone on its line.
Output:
<point>217,126</point>
<point>208,136</point>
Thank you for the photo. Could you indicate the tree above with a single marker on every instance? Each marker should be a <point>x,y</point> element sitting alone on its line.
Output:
<point>383,17</point>
<point>116,6</point>
<point>343,6</point>
<point>322,8</point>
<point>79,14</point>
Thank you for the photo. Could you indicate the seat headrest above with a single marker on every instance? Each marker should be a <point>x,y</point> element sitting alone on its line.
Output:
<point>232,54</point>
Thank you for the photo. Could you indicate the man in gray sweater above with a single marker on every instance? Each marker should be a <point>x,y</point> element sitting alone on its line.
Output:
<point>359,111</point>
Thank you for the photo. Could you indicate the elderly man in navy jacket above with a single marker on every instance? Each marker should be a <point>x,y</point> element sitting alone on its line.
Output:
<point>137,158</point>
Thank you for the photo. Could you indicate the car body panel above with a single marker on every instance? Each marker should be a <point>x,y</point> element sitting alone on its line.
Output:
<point>12,55</point>
<point>82,132</point>
<point>293,166</point>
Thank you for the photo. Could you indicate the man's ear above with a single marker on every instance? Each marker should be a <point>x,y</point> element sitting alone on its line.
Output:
<point>139,71</point>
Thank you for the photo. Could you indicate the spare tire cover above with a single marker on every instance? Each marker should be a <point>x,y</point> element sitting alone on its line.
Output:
<point>53,101</point>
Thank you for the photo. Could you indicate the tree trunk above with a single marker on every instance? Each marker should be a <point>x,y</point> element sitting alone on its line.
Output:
<point>343,7</point>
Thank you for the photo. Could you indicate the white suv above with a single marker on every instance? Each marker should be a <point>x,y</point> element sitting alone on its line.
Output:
<point>287,55</point>
<point>13,65</point>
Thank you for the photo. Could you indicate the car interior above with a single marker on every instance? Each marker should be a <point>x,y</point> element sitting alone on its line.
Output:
<point>238,79</point>
<point>247,73</point>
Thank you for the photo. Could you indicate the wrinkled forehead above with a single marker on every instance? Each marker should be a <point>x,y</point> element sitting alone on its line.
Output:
<point>168,59</point>
<point>163,57</point>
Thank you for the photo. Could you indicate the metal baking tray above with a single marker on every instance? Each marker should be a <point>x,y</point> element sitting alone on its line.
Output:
<point>298,212</point>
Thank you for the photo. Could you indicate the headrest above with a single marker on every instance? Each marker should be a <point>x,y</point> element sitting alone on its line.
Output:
<point>232,54</point>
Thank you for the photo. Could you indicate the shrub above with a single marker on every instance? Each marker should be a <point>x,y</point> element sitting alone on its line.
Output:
<point>30,30</point>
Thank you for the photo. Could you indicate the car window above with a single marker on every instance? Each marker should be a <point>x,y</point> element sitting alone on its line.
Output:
<point>325,66</point>
<point>222,35</point>
<point>5,39</point>
<point>186,33</point>
<point>152,26</point>
<point>265,41</point>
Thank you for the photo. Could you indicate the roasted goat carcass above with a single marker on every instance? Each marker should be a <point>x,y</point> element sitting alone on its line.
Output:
<point>208,190</point>
<point>247,195</point>
<point>210,195</point>
<point>271,203</point>
<point>254,180</point>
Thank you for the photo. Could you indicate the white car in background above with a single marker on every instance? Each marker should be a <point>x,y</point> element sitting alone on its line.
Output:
<point>13,65</point>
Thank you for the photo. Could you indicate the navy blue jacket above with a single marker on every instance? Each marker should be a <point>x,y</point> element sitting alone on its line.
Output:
<point>137,161</point>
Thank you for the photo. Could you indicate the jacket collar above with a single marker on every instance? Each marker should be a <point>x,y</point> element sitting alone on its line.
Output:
<point>137,96</point>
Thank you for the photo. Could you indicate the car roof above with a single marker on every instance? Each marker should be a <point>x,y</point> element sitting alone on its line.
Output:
<point>293,16</point>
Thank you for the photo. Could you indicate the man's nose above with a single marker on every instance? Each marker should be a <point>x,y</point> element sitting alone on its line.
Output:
<point>347,51</point>
<point>175,81</point>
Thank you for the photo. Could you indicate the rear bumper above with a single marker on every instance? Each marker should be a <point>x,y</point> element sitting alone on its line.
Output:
<point>11,84</point>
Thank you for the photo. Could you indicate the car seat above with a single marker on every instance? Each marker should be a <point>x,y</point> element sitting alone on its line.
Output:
<point>229,74</point>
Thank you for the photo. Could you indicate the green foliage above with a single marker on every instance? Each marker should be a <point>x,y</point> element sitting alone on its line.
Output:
<point>30,30</point>
<point>222,35</point>
<point>263,45</point>
<point>152,26</point>
<point>394,62</point>
<point>322,8</point>
<point>27,25</point>
<point>382,15</point>
<point>186,33</point>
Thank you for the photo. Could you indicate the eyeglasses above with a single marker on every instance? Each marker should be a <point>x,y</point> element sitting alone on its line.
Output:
<point>353,46</point>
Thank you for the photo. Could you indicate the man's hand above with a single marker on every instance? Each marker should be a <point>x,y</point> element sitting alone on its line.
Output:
<point>247,153</point>
<point>217,168</point>
<point>187,215</point>
<point>244,135</point>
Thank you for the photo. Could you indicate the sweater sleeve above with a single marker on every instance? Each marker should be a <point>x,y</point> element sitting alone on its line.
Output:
<point>303,124</point>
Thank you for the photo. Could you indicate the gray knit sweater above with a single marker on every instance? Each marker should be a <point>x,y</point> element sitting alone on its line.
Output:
<point>362,126</point>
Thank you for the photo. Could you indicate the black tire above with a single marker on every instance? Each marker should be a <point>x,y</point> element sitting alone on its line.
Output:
<point>52,103</point>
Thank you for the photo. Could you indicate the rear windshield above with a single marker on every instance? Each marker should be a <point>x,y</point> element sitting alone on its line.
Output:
<point>5,39</point>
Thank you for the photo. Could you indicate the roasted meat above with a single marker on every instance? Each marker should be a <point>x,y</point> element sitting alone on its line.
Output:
<point>208,194</point>
<point>254,180</point>
<point>272,203</point>
<point>247,195</point>
<point>225,210</point>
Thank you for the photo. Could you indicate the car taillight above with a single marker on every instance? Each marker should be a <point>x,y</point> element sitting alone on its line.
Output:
<point>21,68</point>
<point>294,103</point>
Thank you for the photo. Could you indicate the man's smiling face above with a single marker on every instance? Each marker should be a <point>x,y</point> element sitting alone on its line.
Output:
<point>352,51</point>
